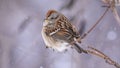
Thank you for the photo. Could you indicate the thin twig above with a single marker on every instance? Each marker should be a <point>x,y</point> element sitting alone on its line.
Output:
<point>98,21</point>
<point>117,17</point>
<point>112,4</point>
<point>100,54</point>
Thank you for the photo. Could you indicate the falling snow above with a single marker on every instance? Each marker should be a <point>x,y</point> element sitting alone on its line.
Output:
<point>111,35</point>
<point>41,66</point>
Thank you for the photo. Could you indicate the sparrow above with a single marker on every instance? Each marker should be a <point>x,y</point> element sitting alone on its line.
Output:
<point>59,34</point>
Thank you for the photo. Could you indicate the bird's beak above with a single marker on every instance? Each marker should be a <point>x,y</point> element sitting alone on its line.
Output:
<point>45,22</point>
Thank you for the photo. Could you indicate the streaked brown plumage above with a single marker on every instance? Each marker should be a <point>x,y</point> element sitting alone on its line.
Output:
<point>58,33</point>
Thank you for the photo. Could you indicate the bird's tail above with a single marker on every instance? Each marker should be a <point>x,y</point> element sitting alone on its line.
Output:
<point>79,49</point>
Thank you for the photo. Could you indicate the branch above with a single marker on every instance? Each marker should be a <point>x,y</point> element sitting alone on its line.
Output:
<point>98,21</point>
<point>98,53</point>
<point>117,17</point>
<point>112,5</point>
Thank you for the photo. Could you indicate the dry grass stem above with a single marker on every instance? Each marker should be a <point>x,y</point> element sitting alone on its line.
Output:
<point>93,51</point>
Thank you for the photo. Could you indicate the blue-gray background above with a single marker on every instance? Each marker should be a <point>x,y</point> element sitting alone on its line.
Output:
<point>21,44</point>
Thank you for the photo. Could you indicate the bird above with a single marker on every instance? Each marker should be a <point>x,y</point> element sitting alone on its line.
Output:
<point>59,34</point>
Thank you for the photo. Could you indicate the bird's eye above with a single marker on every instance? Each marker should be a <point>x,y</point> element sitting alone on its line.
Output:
<point>52,18</point>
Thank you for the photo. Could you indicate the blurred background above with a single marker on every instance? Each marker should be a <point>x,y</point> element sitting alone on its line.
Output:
<point>21,44</point>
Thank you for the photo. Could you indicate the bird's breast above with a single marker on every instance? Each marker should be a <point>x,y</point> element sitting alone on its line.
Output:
<point>58,45</point>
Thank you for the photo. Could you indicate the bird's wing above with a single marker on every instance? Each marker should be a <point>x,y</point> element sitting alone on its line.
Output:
<point>64,35</point>
<point>64,23</point>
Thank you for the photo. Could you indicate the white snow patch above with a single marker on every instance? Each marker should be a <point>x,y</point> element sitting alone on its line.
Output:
<point>111,35</point>
<point>41,66</point>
